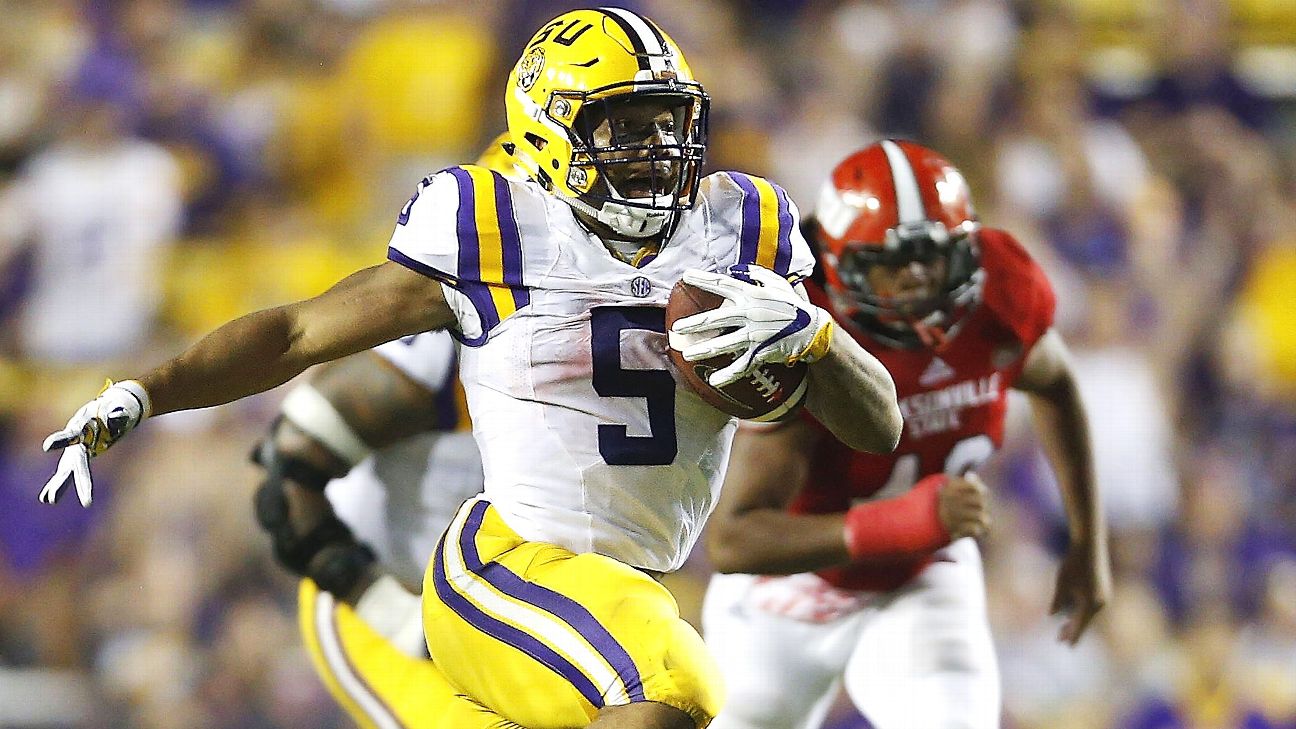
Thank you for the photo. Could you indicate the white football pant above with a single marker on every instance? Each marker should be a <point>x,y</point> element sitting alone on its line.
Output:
<point>920,657</point>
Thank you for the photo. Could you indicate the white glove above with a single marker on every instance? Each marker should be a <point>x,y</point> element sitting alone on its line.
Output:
<point>772,322</point>
<point>91,431</point>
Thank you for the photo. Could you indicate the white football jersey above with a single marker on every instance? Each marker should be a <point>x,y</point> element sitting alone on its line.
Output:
<point>400,498</point>
<point>587,439</point>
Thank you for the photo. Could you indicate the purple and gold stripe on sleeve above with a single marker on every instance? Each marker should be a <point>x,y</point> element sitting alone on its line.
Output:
<point>490,245</point>
<point>550,627</point>
<point>766,237</point>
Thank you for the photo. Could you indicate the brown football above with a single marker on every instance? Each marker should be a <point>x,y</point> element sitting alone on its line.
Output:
<point>773,392</point>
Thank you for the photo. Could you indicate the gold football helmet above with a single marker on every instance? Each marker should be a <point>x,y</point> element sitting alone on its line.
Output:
<point>605,114</point>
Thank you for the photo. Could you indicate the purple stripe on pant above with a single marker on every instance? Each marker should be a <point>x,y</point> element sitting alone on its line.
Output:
<point>508,634</point>
<point>555,603</point>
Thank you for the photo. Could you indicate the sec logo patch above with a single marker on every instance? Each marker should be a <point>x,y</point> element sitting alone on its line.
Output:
<point>640,286</point>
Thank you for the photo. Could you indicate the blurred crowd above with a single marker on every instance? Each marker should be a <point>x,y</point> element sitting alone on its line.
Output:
<point>166,165</point>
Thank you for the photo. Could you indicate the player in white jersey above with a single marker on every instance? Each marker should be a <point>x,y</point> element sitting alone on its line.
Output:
<point>95,207</point>
<point>599,469</point>
<point>386,432</point>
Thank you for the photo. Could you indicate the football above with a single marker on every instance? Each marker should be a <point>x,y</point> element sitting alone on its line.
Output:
<point>772,392</point>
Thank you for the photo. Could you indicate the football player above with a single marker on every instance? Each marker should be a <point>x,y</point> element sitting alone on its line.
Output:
<point>386,432</point>
<point>870,575</point>
<point>599,469</point>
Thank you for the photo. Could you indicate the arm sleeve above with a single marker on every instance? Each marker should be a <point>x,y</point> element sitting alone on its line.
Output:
<point>770,228</point>
<point>460,228</point>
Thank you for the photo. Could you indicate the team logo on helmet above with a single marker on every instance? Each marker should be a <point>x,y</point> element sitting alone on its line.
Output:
<point>530,67</point>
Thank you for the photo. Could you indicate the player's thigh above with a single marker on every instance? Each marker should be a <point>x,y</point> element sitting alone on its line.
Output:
<point>378,685</point>
<point>926,660</point>
<point>779,672</point>
<point>547,638</point>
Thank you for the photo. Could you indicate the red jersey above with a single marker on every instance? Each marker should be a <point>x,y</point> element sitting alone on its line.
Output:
<point>953,400</point>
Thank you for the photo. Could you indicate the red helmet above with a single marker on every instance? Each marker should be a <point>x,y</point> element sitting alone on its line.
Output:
<point>894,203</point>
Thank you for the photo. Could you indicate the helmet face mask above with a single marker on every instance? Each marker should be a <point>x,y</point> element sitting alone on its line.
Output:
<point>608,118</point>
<point>899,244</point>
<point>640,151</point>
<point>640,145</point>
<point>894,295</point>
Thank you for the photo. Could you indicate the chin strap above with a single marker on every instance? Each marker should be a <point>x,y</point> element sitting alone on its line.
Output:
<point>623,219</point>
<point>638,257</point>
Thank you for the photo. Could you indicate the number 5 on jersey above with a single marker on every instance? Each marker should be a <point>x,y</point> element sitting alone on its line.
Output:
<point>612,380</point>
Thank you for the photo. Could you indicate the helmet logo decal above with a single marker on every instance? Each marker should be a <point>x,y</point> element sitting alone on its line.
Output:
<point>566,36</point>
<point>529,69</point>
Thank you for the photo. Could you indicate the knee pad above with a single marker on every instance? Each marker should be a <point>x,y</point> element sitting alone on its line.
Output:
<point>328,553</point>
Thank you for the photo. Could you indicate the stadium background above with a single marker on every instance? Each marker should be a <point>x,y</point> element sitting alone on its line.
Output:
<point>249,152</point>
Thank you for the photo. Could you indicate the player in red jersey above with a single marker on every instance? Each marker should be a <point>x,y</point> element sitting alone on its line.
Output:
<point>869,573</point>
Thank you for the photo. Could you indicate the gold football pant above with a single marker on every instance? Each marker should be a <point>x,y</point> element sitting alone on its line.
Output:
<point>377,684</point>
<point>546,637</point>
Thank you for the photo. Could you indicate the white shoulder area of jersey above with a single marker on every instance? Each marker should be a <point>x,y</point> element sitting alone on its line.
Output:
<point>481,234</point>
<point>762,221</point>
<point>428,358</point>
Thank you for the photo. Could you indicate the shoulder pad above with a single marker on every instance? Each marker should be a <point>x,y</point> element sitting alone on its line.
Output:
<point>766,221</point>
<point>461,228</point>
<point>1017,291</point>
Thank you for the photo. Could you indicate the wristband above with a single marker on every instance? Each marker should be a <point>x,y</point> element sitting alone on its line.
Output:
<point>903,528</point>
<point>819,344</point>
<point>140,394</point>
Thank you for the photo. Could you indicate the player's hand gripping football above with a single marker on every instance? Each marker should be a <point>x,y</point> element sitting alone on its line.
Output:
<point>93,429</point>
<point>764,319</point>
<point>1084,585</point>
<point>962,506</point>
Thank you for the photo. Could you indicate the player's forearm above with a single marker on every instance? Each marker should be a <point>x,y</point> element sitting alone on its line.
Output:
<point>380,404</point>
<point>246,356</point>
<point>775,542</point>
<point>1064,432</point>
<point>854,396</point>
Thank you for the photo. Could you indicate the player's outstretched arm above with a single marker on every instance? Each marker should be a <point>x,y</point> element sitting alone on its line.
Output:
<point>267,348</point>
<point>1084,580</point>
<point>249,355</point>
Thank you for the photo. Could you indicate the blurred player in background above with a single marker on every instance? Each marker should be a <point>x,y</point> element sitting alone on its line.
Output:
<point>599,471</point>
<point>873,578</point>
<point>387,432</point>
<point>110,201</point>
